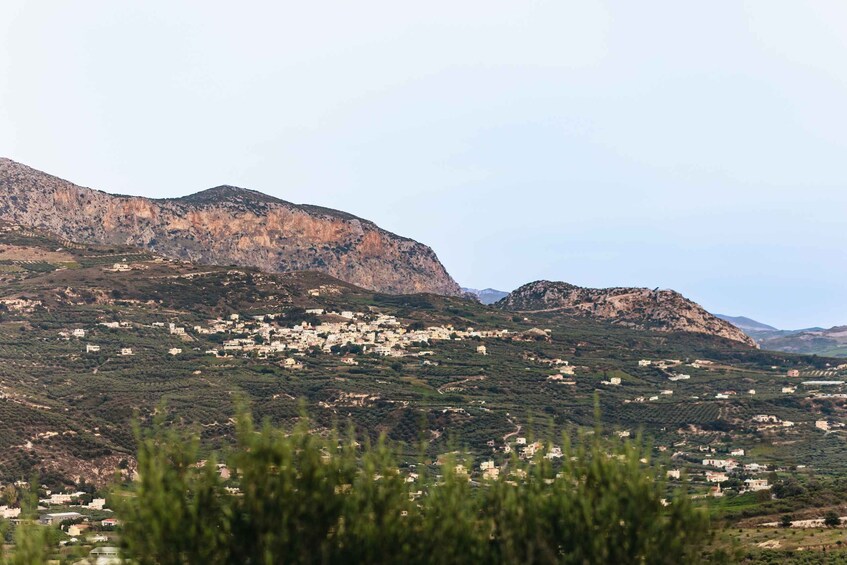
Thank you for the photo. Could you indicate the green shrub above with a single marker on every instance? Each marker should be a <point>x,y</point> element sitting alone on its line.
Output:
<point>307,498</point>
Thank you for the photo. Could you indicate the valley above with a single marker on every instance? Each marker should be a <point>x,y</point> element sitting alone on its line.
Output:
<point>96,336</point>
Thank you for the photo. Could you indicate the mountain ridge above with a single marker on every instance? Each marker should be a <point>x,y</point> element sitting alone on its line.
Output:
<point>745,323</point>
<point>639,308</point>
<point>830,342</point>
<point>226,225</point>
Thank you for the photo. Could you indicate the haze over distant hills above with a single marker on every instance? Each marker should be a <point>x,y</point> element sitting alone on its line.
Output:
<point>226,225</point>
<point>486,295</point>
<point>830,342</point>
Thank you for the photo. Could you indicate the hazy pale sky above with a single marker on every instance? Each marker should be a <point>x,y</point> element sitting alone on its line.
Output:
<point>700,146</point>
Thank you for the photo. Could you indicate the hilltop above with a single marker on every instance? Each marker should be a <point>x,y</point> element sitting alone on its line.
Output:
<point>226,225</point>
<point>639,308</point>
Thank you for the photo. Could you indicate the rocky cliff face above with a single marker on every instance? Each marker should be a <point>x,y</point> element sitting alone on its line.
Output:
<point>226,225</point>
<point>639,308</point>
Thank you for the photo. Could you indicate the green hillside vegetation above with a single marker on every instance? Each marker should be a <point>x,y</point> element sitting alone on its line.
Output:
<point>86,399</point>
<point>296,496</point>
<point>65,412</point>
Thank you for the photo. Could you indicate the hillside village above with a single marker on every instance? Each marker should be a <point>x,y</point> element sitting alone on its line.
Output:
<point>346,331</point>
<point>378,334</point>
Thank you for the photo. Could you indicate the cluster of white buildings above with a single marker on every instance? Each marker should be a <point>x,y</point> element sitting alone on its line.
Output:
<point>72,498</point>
<point>22,305</point>
<point>488,470</point>
<point>380,334</point>
<point>267,335</point>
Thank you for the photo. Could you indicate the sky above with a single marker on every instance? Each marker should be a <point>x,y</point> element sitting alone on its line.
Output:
<point>698,146</point>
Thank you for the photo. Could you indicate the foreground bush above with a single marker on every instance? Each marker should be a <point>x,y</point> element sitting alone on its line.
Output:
<point>306,498</point>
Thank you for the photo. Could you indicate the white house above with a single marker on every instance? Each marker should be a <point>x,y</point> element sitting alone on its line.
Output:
<point>720,463</point>
<point>715,477</point>
<point>92,348</point>
<point>383,350</point>
<point>292,363</point>
<point>491,474</point>
<point>554,453</point>
<point>58,517</point>
<point>757,484</point>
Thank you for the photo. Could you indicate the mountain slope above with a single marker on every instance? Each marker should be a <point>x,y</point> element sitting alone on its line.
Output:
<point>640,308</point>
<point>86,347</point>
<point>226,225</point>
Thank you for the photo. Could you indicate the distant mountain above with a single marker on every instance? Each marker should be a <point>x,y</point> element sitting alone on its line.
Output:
<point>815,341</point>
<point>226,225</point>
<point>639,308</point>
<point>744,323</point>
<point>487,295</point>
<point>831,342</point>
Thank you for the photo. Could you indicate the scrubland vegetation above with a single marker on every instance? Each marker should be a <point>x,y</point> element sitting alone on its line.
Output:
<point>293,496</point>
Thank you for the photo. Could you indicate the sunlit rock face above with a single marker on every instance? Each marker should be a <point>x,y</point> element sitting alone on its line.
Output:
<point>226,225</point>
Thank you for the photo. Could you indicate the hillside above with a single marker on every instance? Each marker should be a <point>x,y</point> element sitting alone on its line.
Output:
<point>226,226</point>
<point>86,343</point>
<point>639,308</point>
